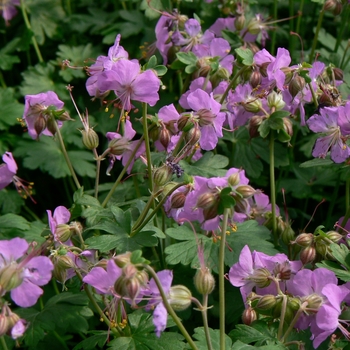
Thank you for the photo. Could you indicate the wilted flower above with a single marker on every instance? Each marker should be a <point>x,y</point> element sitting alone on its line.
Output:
<point>8,9</point>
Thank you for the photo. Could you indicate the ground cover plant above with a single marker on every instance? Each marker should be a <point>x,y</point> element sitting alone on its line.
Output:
<point>175,174</point>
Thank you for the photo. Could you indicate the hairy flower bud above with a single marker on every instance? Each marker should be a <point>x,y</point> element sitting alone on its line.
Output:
<point>334,6</point>
<point>210,213</point>
<point>254,124</point>
<point>314,302</point>
<point>261,277</point>
<point>90,138</point>
<point>288,126</point>
<point>180,297</point>
<point>249,316</point>
<point>162,175</point>
<point>334,236</point>
<point>178,200</point>
<point>51,125</point>
<point>122,260</point>
<point>252,105</point>
<point>193,136</point>
<point>233,179</point>
<point>204,281</point>
<point>287,235</point>
<point>40,124</point>
<point>308,254</point>
<point>304,239</point>
<point>266,302</point>
<point>275,100</point>
<point>164,137</point>
<point>255,78</point>
<point>10,277</point>
<point>296,85</point>
<point>240,22</point>
<point>207,200</point>
<point>4,324</point>
<point>118,146</point>
<point>185,123</point>
<point>338,74</point>
<point>63,232</point>
<point>206,117</point>
<point>254,26</point>
<point>246,191</point>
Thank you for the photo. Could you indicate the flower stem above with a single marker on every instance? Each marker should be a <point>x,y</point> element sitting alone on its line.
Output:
<point>282,317</point>
<point>205,321</point>
<point>3,343</point>
<point>111,191</point>
<point>29,27</point>
<point>272,186</point>
<point>222,279</point>
<point>344,22</point>
<point>314,43</point>
<point>273,39</point>
<point>98,167</point>
<point>65,154</point>
<point>148,149</point>
<point>169,309</point>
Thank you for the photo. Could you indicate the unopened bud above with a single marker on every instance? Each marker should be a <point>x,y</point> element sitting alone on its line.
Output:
<point>254,26</point>
<point>122,260</point>
<point>275,100</point>
<point>249,316</point>
<point>288,126</point>
<point>184,123</point>
<point>164,137</point>
<point>255,78</point>
<point>178,200</point>
<point>233,179</point>
<point>246,191</point>
<point>206,117</point>
<point>51,125</point>
<point>207,200</point>
<point>10,277</point>
<point>76,227</point>
<point>254,124</point>
<point>304,239</point>
<point>90,138</point>
<point>296,85</point>
<point>210,213</point>
<point>338,74</point>
<point>180,297</point>
<point>287,235</point>
<point>193,136</point>
<point>239,22</point>
<point>64,116</point>
<point>266,302</point>
<point>261,277</point>
<point>314,302</point>
<point>162,175</point>
<point>308,255</point>
<point>4,326</point>
<point>63,232</point>
<point>283,271</point>
<point>334,236</point>
<point>118,146</point>
<point>334,6</point>
<point>40,124</point>
<point>204,281</point>
<point>252,105</point>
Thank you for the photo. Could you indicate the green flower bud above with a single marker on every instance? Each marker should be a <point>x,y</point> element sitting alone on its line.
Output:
<point>261,277</point>
<point>180,297</point>
<point>90,138</point>
<point>246,191</point>
<point>207,200</point>
<point>63,232</point>
<point>314,301</point>
<point>193,136</point>
<point>164,137</point>
<point>204,281</point>
<point>239,22</point>
<point>233,179</point>
<point>122,260</point>
<point>185,123</point>
<point>334,236</point>
<point>275,100</point>
<point>308,255</point>
<point>10,277</point>
<point>252,105</point>
<point>118,146</point>
<point>304,239</point>
<point>296,85</point>
<point>162,175</point>
<point>266,302</point>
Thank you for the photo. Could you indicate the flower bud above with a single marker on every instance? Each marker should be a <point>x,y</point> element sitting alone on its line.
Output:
<point>193,136</point>
<point>180,297</point>
<point>283,271</point>
<point>162,175</point>
<point>249,316</point>
<point>252,105</point>
<point>296,85</point>
<point>207,200</point>
<point>338,74</point>
<point>40,124</point>
<point>254,26</point>
<point>4,325</point>
<point>63,232</point>
<point>164,137</point>
<point>122,260</point>
<point>239,22</point>
<point>287,235</point>
<point>63,262</point>
<point>10,277</point>
<point>185,123</point>
<point>334,6</point>
<point>308,255</point>
<point>118,146</point>
<point>51,125</point>
<point>206,117</point>
<point>76,227</point>
<point>266,302</point>
<point>294,303</point>
<point>254,124</point>
<point>90,138</point>
<point>64,116</point>
<point>314,302</point>
<point>233,179</point>
<point>255,78</point>
<point>275,100</point>
<point>246,191</point>
<point>304,239</point>
<point>334,236</point>
<point>178,200</point>
<point>12,319</point>
<point>210,213</point>
<point>288,126</point>
<point>204,281</point>
<point>261,277</point>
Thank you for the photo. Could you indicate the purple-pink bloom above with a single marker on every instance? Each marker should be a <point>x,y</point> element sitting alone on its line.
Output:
<point>129,83</point>
<point>160,314</point>
<point>22,273</point>
<point>274,71</point>
<point>19,328</point>
<point>60,216</point>
<point>327,123</point>
<point>8,9</point>
<point>37,112</point>
<point>7,170</point>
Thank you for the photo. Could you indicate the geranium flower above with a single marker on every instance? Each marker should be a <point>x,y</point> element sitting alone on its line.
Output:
<point>39,110</point>
<point>60,216</point>
<point>22,273</point>
<point>8,9</point>
<point>8,174</point>
<point>129,83</point>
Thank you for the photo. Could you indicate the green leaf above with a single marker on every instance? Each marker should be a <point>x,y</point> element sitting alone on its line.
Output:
<point>264,128</point>
<point>14,221</point>
<point>10,201</point>
<point>103,243</point>
<point>10,108</point>
<point>247,334</point>
<point>134,23</point>
<point>161,70</point>
<point>99,338</point>
<point>244,56</point>
<point>40,78</point>
<point>123,218</point>
<point>149,6</point>
<point>209,165</point>
<point>336,268</point>
<point>201,342</point>
<point>42,19</point>
<point>316,162</point>
<point>188,58</point>
<point>83,163</point>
